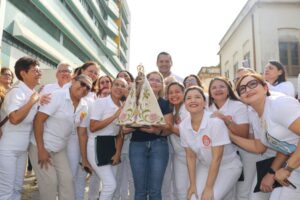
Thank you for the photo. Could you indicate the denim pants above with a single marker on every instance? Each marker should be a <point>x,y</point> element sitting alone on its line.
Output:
<point>148,164</point>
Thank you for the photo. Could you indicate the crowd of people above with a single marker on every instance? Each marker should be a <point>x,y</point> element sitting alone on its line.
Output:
<point>235,140</point>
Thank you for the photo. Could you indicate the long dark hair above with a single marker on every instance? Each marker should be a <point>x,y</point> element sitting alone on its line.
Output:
<point>282,77</point>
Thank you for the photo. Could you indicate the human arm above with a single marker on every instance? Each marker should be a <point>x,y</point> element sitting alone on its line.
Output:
<point>96,125</point>
<point>217,153</point>
<point>191,164</point>
<point>268,180</point>
<point>44,158</point>
<point>241,130</point>
<point>294,160</point>
<point>82,136</point>
<point>20,114</point>
<point>251,145</point>
<point>119,144</point>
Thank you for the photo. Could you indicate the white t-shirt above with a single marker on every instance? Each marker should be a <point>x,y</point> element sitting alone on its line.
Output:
<point>178,78</point>
<point>286,88</point>
<point>104,108</point>
<point>236,109</point>
<point>50,88</point>
<point>62,120</point>
<point>212,132</point>
<point>279,113</point>
<point>256,128</point>
<point>16,137</point>
<point>175,140</point>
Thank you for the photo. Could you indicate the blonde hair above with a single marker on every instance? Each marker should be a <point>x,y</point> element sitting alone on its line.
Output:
<point>161,93</point>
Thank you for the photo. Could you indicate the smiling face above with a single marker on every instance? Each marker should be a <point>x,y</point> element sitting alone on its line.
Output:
<point>218,90</point>
<point>156,83</point>
<point>194,101</point>
<point>32,77</point>
<point>125,76</point>
<point>63,74</point>
<point>81,86</point>
<point>119,88</point>
<point>164,63</point>
<point>252,91</point>
<point>92,71</point>
<point>6,78</point>
<point>190,81</point>
<point>175,94</point>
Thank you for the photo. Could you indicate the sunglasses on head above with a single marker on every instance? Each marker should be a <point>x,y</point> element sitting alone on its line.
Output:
<point>83,84</point>
<point>251,85</point>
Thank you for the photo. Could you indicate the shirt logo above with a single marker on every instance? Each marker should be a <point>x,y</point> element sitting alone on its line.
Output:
<point>206,140</point>
<point>82,115</point>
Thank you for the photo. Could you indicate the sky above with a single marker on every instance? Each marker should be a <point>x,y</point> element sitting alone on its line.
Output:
<point>189,30</point>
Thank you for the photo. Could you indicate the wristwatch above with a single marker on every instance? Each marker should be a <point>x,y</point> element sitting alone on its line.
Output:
<point>287,167</point>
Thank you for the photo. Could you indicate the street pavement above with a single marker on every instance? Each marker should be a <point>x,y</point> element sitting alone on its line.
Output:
<point>31,192</point>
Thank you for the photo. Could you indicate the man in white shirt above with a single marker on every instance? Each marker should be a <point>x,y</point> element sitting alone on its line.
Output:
<point>63,76</point>
<point>164,64</point>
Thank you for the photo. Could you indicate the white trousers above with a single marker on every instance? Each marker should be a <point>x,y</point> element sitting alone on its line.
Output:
<point>79,175</point>
<point>224,184</point>
<point>289,192</point>
<point>106,173</point>
<point>243,188</point>
<point>12,169</point>
<point>181,176</point>
<point>57,179</point>
<point>94,187</point>
<point>125,185</point>
<point>168,187</point>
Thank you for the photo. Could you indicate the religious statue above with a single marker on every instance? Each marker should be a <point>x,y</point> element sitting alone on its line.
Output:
<point>141,108</point>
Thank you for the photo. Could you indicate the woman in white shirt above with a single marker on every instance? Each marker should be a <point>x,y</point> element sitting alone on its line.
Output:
<point>175,94</point>
<point>274,74</point>
<point>20,106</point>
<point>125,185</point>
<point>53,125</point>
<point>205,139</point>
<point>225,105</point>
<point>280,121</point>
<point>104,113</point>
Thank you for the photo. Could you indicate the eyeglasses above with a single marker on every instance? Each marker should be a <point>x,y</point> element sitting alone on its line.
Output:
<point>103,82</point>
<point>251,85</point>
<point>36,70</point>
<point>83,84</point>
<point>153,80</point>
<point>6,74</point>
<point>118,85</point>
<point>191,81</point>
<point>65,71</point>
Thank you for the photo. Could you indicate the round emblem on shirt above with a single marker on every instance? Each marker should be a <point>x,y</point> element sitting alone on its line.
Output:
<point>206,140</point>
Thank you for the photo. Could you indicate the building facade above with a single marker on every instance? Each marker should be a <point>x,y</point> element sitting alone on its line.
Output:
<point>264,30</point>
<point>75,31</point>
<point>207,73</point>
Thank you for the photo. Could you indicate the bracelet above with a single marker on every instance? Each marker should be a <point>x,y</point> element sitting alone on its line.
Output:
<point>228,123</point>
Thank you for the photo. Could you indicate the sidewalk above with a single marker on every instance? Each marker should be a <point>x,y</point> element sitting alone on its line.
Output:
<point>31,190</point>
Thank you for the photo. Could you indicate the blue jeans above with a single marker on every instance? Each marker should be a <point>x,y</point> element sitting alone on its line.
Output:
<point>148,164</point>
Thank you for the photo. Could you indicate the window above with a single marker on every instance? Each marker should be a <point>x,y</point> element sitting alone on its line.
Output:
<point>289,51</point>
<point>246,61</point>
